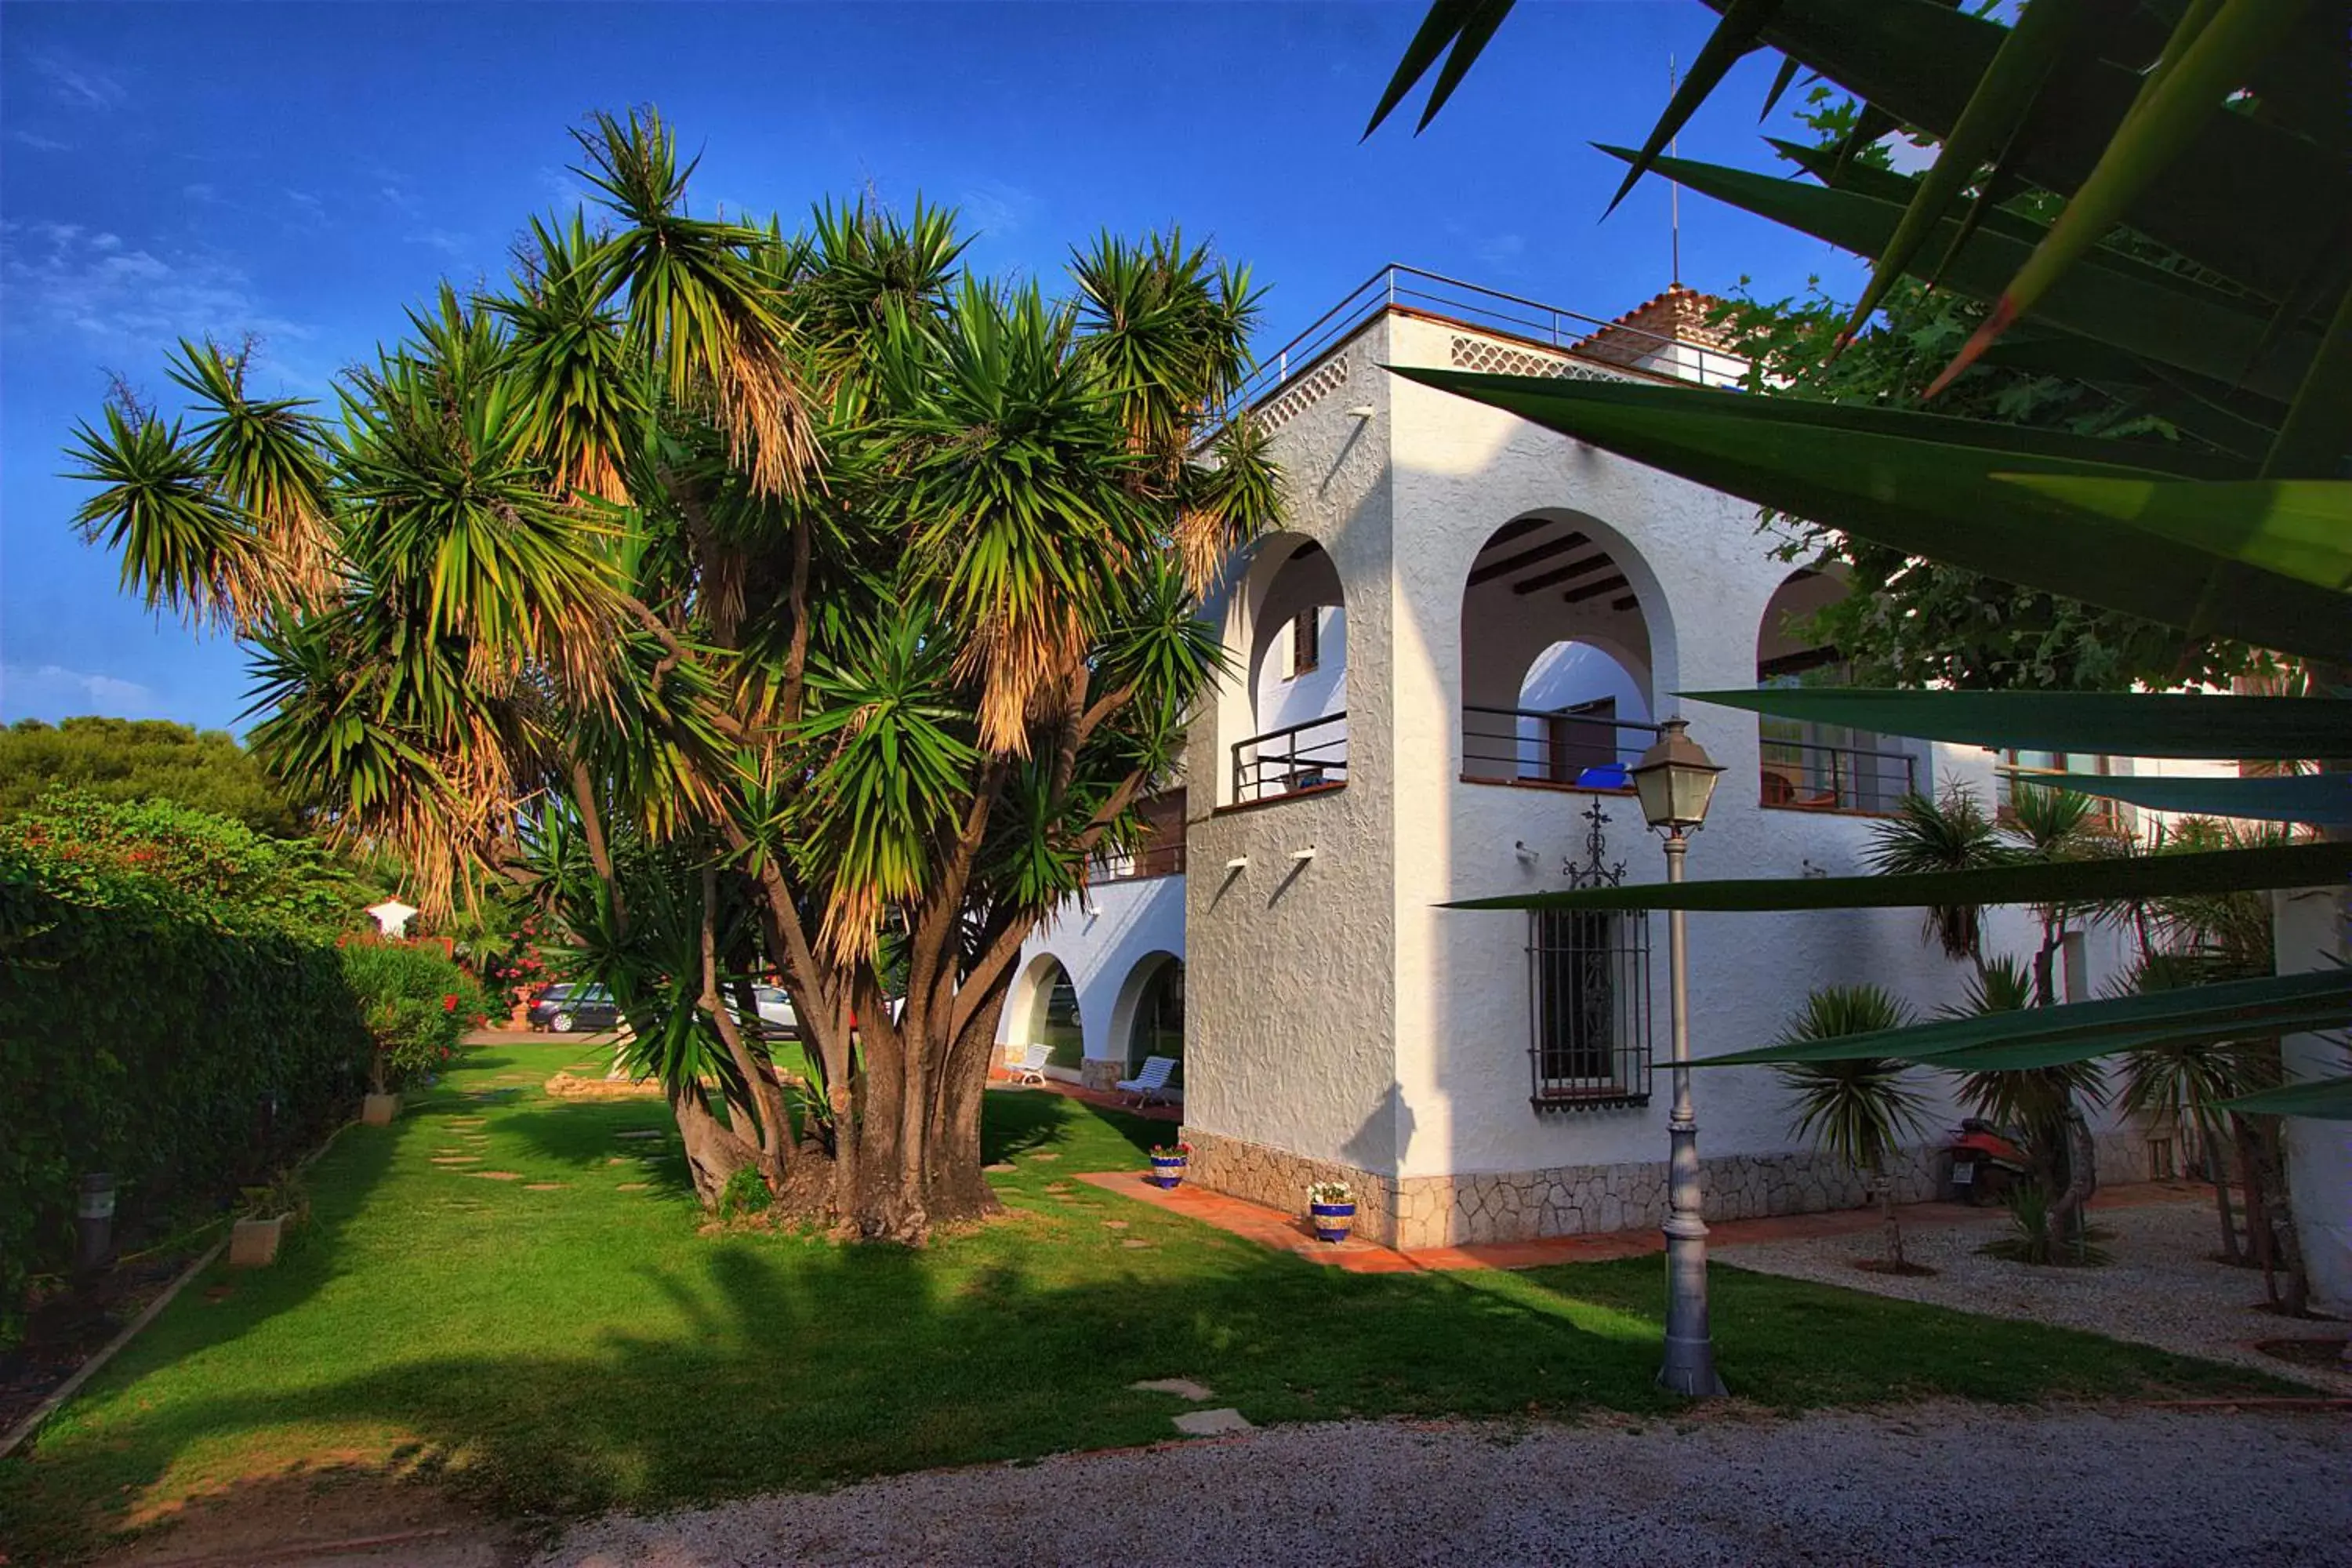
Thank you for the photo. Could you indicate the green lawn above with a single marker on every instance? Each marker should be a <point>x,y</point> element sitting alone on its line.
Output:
<point>558,1351</point>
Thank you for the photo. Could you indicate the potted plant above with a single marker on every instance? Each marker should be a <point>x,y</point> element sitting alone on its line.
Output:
<point>1169,1162</point>
<point>254,1239</point>
<point>1331,1210</point>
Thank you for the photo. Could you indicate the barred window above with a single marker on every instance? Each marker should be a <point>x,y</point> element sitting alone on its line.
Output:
<point>1591,1008</point>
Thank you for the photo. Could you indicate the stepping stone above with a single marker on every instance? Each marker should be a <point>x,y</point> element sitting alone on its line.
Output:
<point>544,1186</point>
<point>632,1186</point>
<point>1057,1186</point>
<point>1115,1225</point>
<point>1000,1168</point>
<point>1130,1241</point>
<point>452,1150</point>
<point>1181,1387</point>
<point>620,1160</point>
<point>1212,1422</point>
<point>497,1175</point>
<point>1045,1156</point>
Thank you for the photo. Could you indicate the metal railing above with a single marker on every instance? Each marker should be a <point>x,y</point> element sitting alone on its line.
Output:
<point>1589,978</point>
<point>1472,305</point>
<point>1552,747</point>
<point>1154,860</point>
<point>1809,775</point>
<point>1285,760</point>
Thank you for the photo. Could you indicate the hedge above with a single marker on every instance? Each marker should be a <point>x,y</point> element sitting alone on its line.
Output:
<point>174,1041</point>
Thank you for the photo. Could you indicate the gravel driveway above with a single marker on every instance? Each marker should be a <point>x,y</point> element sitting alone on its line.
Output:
<point>2162,1287</point>
<point>1940,1483</point>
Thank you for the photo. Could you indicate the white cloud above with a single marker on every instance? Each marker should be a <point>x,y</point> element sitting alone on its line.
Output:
<point>200,193</point>
<point>312,210</point>
<point>40,143</point>
<point>48,690</point>
<point>1504,251</point>
<point>80,85</point>
<point>453,245</point>
<point>64,280</point>
<point>996,209</point>
<point>564,189</point>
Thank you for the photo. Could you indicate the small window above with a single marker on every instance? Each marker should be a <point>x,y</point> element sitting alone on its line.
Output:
<point>1306,641</point>
<point>1590,1006</point>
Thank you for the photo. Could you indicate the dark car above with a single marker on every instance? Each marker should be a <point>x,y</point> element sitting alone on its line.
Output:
<point>564,1009</point>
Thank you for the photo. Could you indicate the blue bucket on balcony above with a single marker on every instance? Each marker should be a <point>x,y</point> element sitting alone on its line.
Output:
<point>1167,1171</point>
<point>1332,1222</point>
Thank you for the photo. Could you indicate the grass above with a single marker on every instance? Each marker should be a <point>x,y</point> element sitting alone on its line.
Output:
<point>556,1351</point>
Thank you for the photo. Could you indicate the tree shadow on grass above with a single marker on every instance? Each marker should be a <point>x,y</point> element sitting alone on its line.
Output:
<point>1014,1123</point>
<point>589,1134</point>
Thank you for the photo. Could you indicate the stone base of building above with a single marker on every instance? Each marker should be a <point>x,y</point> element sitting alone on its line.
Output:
<point>1096,1073</point>
<point>1571,1200</point>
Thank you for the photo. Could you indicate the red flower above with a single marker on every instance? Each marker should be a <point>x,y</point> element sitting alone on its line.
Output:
<point>449,1003</point>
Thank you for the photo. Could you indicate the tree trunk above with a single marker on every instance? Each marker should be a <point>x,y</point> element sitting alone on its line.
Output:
<point>2067,1216</point>
<point>2217,1166</point>
<point>2262,1239</point>
<point>713,1154</point>
<point>1893,1227</point>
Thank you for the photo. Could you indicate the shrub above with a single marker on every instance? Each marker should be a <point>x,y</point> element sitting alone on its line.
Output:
<point>417,1003</point>
<point>154,1027</point>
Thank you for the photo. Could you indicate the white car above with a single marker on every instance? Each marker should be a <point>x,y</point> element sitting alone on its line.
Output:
<point>776,1015</point>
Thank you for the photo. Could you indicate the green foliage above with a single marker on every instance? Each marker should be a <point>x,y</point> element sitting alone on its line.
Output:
<point>164,1030</point>
<point>1951,832</point>
<point>746,1193</point>
<point>1858,1110</point>
<point>2033,1239</point>
<point>141,759</point>
<point>418,1004</point>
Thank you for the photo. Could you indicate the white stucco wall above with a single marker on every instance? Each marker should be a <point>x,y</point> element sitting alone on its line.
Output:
<point>1109,943</point>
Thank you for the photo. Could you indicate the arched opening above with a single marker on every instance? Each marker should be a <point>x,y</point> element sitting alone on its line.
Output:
<point>1808,766</point>
<point>1155,1025</point>
<point>1555,656</point>
<point>1297,621</point>
<point>1049,1013</point>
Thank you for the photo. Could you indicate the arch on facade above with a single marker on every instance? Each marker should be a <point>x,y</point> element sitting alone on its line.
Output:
<point>1810,766</point>
<point>1045,1008</point>
<point>1560,618</point>
<point>1285,729</point>
<point>1148,1018</point>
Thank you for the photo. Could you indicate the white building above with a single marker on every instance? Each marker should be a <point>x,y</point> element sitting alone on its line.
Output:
<point>1441,672</point>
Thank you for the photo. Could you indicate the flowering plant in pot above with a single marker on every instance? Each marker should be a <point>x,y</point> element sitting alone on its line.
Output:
<point>1169,1161</point>
<point>1331,1209</point>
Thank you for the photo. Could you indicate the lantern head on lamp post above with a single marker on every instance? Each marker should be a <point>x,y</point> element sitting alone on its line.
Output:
<point>1675,779</point>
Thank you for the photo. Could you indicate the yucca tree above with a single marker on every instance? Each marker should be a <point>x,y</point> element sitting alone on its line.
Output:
<point>2182,1084</point>
<point>1949,831</point>
<point>2045,1102</point>
<point>759,601</point>
<point>1860,1110</point>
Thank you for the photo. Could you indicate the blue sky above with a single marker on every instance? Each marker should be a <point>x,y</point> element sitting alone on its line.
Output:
<point>305,171</point>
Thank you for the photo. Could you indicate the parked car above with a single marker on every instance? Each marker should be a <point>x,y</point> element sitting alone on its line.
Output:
<point>776,1016</point>
<point>566,1008</point>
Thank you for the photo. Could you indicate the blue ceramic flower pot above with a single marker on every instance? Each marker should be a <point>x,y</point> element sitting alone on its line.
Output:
<point>1168,1170</point>
<point>1332,1222</point>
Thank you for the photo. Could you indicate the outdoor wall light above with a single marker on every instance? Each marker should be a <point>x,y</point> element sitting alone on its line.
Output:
<point>1363,411</point>
<point>1306,854</point>
<point>1237,862</point>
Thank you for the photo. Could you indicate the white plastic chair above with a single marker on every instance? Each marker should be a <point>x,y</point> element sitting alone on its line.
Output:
<point>1150,1083</point>
<point>1031,1066</point>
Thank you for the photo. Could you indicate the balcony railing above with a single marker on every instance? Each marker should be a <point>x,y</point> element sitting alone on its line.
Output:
<point>1552,747</point>
<point>1809,775</point>
<point>1154,860</point>
<point>1304,756</point>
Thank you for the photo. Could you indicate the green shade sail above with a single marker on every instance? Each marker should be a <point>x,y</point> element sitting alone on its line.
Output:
<point>2322,799</point>
<point>2037,882</point>
<point>1924,484</point>
<point>2044,1036</point>
<point>2122,724</point>
<point>2323,1099</point>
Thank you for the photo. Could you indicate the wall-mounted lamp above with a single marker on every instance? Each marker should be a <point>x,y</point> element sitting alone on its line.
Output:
<point>1237,862</point>
<point>1306,854</point>
<point>1363,411</point>
<point>1520,849</point>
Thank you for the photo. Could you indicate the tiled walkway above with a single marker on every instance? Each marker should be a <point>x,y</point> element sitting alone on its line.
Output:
<point>998,1078</point>
<point>1288,1233</point>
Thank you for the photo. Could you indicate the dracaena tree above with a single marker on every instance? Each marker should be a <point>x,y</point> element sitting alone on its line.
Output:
<point>756,600</point>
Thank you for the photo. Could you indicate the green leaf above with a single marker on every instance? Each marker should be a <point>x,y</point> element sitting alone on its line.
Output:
<point>2120,723</point>
<point>2297,528</point>
<point>2317,435</point>
<point>2322,1099</point>
<point>1922,483</point>
<point>2031,882</point>
<point>2110,297</point>
<point>2075,1031</point>
<point>2153,135</point>
<point>1733,39</point>
<point>1454,22</point>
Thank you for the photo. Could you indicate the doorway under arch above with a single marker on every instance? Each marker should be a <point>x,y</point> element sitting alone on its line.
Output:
<point>1049,1013</point>
<point>1150,1016</point>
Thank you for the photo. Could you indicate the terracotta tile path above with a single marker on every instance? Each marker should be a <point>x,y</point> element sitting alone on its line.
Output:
<point>1288,1233</point>
<point>999,1079</point>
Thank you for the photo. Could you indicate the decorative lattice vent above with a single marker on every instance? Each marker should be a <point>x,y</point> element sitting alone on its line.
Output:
<point>1501,359</point>
<point>1305,393</point>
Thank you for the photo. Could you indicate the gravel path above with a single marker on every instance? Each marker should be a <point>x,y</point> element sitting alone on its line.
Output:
<point>2162,1288</point>
<point>1941,1483</point>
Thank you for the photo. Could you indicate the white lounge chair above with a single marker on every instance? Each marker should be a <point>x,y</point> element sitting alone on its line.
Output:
<point>1150,1082</point>
<point>1029,1067</point>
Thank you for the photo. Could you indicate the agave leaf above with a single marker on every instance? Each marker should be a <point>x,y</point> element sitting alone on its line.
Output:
<point>2297,528</point>
<point>2322,1099</point>
<point>2029,882</point>
<point>1782,81</point>
<point>2085,1028</point>
<point>2110,298</point>
<point>2177,104</point>
<point>2004,97</point>
<point>2317,434</point>
<point>2319,798</point>
<point>1921,483</point>
<point>1733,39</point>
<point>1449,22</point>
<point>2119,724</point>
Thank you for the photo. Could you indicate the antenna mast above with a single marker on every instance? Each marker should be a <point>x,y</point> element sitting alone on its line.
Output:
<point>1673,188</point>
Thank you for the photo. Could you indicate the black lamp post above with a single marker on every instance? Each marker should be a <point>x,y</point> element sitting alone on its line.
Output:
<point>1675,779</point>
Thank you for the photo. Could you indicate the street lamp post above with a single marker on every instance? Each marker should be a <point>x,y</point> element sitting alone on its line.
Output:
<point>1675,779</point>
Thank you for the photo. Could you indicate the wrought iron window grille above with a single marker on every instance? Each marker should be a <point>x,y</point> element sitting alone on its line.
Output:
<point>1589,993</point>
